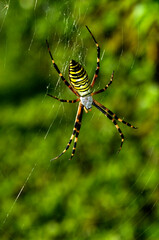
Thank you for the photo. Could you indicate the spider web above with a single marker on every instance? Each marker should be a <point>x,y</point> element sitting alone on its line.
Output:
<point>4,8</point>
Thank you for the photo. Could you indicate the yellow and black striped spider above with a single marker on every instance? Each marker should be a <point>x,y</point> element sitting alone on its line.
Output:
<point>82,87</point>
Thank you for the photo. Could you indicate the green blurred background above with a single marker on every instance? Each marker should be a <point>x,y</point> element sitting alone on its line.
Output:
<point>99,194</point>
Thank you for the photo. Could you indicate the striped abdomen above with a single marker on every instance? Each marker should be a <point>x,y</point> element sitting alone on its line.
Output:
<point>79,79</point>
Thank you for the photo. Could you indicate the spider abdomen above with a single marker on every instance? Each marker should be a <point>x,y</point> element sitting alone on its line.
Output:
<point>79,79</point>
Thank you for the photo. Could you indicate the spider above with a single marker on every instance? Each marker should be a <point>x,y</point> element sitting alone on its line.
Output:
<point>82,87</point>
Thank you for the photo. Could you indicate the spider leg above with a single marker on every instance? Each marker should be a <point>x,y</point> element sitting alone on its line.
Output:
<point>60,74</point>
<point>98,59</point>
<point>115,116</point>
<point>64,100</point>
<point>105,88</point>
<point>98,106</point>
<point>76,129</point>
<point>79,117</point>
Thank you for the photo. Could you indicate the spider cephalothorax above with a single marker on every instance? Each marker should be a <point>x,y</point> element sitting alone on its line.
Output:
<point>81,86</point>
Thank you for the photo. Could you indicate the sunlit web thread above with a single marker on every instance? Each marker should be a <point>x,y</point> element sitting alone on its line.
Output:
<point>16,199</point>
<point>137,49</point>
<point>4,10</point>
<point>36,1</point>
<point>31,42</point>
<point>52,121</point>
<point>121,54</point>
<point>4,7</point>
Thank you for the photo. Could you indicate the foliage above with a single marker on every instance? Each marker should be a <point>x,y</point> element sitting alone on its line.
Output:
<point>99,194</point>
